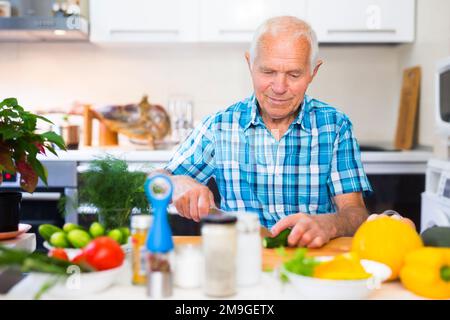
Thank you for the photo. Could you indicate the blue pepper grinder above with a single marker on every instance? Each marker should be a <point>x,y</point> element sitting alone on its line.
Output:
<point>158,190</point>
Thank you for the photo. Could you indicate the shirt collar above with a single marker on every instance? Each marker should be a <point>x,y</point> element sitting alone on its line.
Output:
<point>255,119</point>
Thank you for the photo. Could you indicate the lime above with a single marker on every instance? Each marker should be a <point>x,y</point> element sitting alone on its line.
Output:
<point>116,235</point>
<point>59,240</point>
<point>71,226</point>
<point>125,234</point>
<point>78,238</point>
<point>96,230</point>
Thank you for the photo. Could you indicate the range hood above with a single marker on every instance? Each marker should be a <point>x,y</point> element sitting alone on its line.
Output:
<point>33,21</point>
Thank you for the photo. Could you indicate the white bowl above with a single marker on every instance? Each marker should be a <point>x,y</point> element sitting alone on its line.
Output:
<point>72,252</point>
<point>80,284</point>
<point>314,288</point>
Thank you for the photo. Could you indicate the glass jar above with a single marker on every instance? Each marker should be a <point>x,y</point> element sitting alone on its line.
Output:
<point>249,250</point>
<point>140,224</point>
<point>219,238</point>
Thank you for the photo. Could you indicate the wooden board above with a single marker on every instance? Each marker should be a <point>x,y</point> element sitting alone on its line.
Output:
<point>409,102</point>
<point>271,259</point>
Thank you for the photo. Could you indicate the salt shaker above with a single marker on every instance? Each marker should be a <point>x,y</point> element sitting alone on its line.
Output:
<point>188,266</point>
<point>249,250</point>
<point>219,238</point>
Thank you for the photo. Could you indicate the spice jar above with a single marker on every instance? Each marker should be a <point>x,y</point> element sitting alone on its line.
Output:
<point>219,239</point>
<point>140,224</point>
<point>249,249</point>
<point>188,266</point>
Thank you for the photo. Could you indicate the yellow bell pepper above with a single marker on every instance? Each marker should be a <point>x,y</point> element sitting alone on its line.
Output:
<point>426,272</point>
<point>342,267</point>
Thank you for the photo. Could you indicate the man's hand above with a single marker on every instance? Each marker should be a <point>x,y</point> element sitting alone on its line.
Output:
<point>307,231</point>
<point>313,231</point>
<point>191,198</point>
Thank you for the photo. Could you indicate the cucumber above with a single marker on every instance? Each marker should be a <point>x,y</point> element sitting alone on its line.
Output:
<point>78,238</point>
<point>46,230</point>
<point>279,241</point>
<point>71,226</point>
<point>59,240</point>
<point>436,237</point>
<point>96,230</point>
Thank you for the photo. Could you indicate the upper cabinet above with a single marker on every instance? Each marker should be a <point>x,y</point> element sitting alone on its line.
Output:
<point>367,21</point>
<point>144,20</point>
<point>236,20</point>
<point>335,21</point>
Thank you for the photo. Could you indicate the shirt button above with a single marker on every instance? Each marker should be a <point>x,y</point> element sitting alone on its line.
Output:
<point>279,208</point>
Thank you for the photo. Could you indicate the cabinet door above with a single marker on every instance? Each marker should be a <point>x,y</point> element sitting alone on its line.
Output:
<point>236,20</point>
<point>362,20</point>
<point>144,20</point>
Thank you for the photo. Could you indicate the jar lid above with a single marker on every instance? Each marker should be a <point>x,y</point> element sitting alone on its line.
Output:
<point>220,219</point>
<point>141,221</point>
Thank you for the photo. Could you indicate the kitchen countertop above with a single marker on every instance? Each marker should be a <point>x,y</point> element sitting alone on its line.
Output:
<point>375,162</point>
<point>269,288</point>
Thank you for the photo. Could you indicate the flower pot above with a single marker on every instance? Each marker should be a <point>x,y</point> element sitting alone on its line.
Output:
<point>9,211</point>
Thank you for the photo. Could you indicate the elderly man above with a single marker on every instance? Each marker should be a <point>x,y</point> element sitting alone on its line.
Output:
<point>281,154</point>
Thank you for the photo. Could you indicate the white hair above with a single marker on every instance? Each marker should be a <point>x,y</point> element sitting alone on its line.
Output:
<point>296,28</point>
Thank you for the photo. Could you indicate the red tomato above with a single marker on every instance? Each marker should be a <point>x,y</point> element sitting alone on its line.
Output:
<point>104,253</point>
<point>79,258</point>
<point>58,253</point>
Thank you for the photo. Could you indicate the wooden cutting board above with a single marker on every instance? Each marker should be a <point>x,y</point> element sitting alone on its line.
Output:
<point>272,259</point>
<point>409,103</point>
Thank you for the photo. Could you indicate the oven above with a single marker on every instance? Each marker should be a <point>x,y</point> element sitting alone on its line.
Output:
<point>54,203</point>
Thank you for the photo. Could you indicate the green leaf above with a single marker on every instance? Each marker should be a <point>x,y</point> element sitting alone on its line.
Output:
<point>49,148</point>
<point>44,119</point>
<point>55,138</point>
<point>9,102</point>
<point>29,122</point>
<point>6,162</point>
<point>8,133</point>
<point>39,169</point>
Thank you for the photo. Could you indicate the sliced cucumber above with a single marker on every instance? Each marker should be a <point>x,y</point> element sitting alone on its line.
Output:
<point>281,240</point>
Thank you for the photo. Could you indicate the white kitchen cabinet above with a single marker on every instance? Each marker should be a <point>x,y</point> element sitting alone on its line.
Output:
<point>174,21</point>
<point>236,20</point>
<point>362,21</point>
<point>144,20</point>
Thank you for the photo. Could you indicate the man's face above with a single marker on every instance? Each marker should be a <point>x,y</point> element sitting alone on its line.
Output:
<point>281,74</point>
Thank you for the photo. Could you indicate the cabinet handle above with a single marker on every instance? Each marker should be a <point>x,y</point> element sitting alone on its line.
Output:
<point>361,31</point>
<point>222,31</point>
<point>137,31</point>
<point>41,196</point>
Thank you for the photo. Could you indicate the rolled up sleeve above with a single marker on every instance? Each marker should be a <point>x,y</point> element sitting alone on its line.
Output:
<point>347,173</point>
<point>195,156</point>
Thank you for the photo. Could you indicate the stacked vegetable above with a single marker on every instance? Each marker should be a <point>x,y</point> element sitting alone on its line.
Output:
<point>75,236</point>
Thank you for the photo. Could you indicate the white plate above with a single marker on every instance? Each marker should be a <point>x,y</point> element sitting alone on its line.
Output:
<point>77,285</point>
<point>314,288</point>
<point>22,228</point>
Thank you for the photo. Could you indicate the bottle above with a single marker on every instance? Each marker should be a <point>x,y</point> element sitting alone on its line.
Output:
<point>140,224</point>
<point>249,250</point>
<point>219,238</point>
<point>158,190</point>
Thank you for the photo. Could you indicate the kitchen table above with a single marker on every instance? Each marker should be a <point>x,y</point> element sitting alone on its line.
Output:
<point>269,288</point>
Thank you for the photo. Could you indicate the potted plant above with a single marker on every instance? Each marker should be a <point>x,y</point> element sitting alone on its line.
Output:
<point>19,146</point>
<point>114,190</point>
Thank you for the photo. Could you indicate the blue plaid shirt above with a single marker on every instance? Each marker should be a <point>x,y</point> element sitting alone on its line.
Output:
<point>316,159</point>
